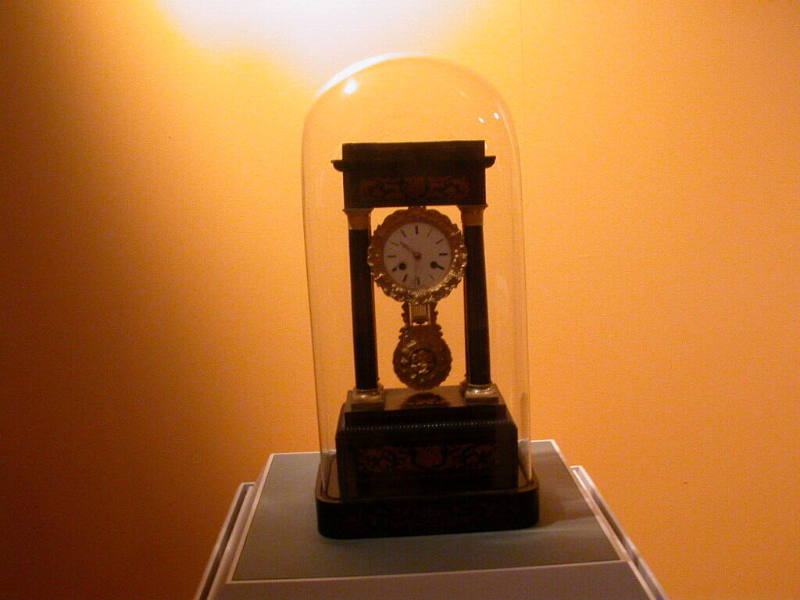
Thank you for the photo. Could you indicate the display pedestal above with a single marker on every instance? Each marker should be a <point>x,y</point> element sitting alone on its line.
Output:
<point>269,547</point>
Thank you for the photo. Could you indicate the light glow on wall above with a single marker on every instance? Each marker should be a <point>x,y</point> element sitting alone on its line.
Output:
<point>320,37</point>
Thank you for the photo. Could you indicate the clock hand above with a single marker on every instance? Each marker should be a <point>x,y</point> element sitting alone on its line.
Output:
<point>417,257</point>
<point>414,253</point>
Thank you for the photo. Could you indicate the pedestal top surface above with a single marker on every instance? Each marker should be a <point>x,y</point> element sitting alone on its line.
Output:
<point>283,542</point>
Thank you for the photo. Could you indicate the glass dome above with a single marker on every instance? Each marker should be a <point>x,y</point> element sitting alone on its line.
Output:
<point>416,279</point>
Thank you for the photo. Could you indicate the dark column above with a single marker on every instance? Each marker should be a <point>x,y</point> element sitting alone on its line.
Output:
<point>476,314</point>
<point>362,302</point>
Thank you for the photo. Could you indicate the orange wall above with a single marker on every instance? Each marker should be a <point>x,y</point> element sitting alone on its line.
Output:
<point>154,313</point>
<point>662,156</point>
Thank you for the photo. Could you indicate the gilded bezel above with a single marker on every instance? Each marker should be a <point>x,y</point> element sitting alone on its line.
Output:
<point>417,214</point>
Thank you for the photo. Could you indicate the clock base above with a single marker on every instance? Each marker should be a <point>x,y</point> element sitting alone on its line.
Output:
<point>389,516</point>
<point>424,463</point>
<point>420,443</point>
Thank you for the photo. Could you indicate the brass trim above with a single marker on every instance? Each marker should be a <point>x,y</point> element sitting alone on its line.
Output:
<point>358,218</point>
<point>472,214</point>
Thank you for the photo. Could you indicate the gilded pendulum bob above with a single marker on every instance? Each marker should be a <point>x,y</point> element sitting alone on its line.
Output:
<point>422,358</point>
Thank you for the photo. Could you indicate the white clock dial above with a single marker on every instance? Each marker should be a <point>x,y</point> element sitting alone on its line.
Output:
<point>417,255</point>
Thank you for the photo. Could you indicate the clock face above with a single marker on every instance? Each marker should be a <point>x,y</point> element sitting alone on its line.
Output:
<point>417,255</point>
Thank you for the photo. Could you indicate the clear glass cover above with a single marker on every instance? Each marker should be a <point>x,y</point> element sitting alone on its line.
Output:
<point>390,101</point>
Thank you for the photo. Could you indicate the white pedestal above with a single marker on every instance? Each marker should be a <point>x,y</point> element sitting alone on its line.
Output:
<point>269,548</point>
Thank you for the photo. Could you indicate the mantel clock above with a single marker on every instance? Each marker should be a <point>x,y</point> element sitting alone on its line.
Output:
<point>436,450</point>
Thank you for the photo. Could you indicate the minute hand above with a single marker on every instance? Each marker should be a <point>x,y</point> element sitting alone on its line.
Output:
<point>414,253</point>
